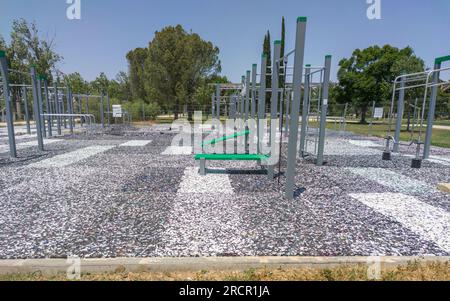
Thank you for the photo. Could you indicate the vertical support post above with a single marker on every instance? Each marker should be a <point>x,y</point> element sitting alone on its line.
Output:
<point>295,107</point>
<point>9,115</point>
<point>400,110</point>
<point>217,109</point>
<point>323,110</point>
<point>247,95</point>
<point>143,110</point>
<point>213,105</point>
<point>37,119</point>
<point>27,112</point>
<point>87,104</point>
<point>57,106</point>
<point>233,107</point>
<point>262,98</point>
<point>287,109</point>
<point>432,107</point>
<point>305,111</point>
<point>274,102</point>
<point>253,91</point>
<point>41,105</point>
<point>63,109</point>
<point>80,108</point>
<point>108,108</point>
<point>49,109</point>
<point>202,167</point>
<point>70,108</point>
<point>101,110</point>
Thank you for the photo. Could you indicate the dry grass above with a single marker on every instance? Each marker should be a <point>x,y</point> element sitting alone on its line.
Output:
<point>413,271</point>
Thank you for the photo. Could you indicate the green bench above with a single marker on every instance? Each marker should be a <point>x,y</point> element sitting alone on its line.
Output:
<point>227,157</point>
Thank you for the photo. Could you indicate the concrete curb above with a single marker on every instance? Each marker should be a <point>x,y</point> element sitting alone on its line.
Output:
<point>55,266</point>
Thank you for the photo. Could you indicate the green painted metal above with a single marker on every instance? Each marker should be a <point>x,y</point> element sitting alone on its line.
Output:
<point>2,53</point>
<point>442,59</point>
<point>277,42</point>
<point>232,157</point>
<point>224,138</point>
<point>302,19</point>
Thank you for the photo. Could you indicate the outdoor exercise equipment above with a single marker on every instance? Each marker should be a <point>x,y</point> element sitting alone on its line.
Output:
<point>315,105</point>
<point>429,81</point>
<point>278,97</point>
<point>9,116</point>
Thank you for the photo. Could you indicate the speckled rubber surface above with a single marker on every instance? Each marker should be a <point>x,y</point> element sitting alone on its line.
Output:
<point>128,192</point>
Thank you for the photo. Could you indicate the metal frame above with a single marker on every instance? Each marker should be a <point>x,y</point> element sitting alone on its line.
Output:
<point>427,80</point>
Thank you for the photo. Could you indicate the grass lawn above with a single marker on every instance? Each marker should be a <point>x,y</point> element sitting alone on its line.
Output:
<point>413,271</point>
<point>440,137</point>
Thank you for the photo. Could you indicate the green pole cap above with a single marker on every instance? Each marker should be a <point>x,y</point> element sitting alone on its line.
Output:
<point>264,55</point>
<point>42,77</point>
<point>442,59</point>
<point>302,19</point>
<point>2,53</point>
<point>254,65</point>
<point>308,65</point>
<point>328,56</point>
<point>277,42</point>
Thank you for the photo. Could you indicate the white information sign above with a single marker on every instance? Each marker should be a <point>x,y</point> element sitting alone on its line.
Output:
<point>117,111</point>
<point>378,113</point>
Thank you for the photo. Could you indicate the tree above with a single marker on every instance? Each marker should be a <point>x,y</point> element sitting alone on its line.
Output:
<point>176,64</point>
<point>27,47</point>
<point>136,62</point>
<point>282,52</point>
<point>368,74</point>
<point>267,50</point>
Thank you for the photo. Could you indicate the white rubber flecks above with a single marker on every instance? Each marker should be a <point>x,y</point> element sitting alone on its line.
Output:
<point>429,222</point>
<point>136,143</point>
<point>72,157</point>
<point>393,180</point>
<point>193,182</point>
<point>178,150</point>
<point>22,145</point>
<point>205,218</point>
<point>364,143</point>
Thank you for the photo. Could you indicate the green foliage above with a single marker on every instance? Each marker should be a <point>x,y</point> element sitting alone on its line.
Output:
<point>136,61</point>
<point>176,65</point>
<point>368,74</point>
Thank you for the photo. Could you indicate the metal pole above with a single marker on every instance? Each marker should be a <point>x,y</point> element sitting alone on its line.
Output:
<point>101,111</point>
<point>305,110</point>
<point>58,108</point>
<point>213,105</point>
<point>49,109</point>
<point>41,105</point>
<point>70,108</point>
<point>323,111</point>
<point>27,113</point>
<point>262,97</point>
<point>274,101</point>
<point>295,107</point>
<point>247,94</point>
<point>431,110</point>
<point>253,91</point>
<point>108,105</point>
<point>286,124</point>
<point>218,102</point>
<point>9,115</point>
<point>37,119</point>
<point>400,110</point>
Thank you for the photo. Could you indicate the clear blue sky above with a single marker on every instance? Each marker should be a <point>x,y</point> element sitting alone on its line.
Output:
<point>110,28</point>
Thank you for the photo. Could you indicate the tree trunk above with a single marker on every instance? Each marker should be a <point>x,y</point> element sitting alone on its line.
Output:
<point>408,126</point>
<point>177,109</point>
<point>363,115</point>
